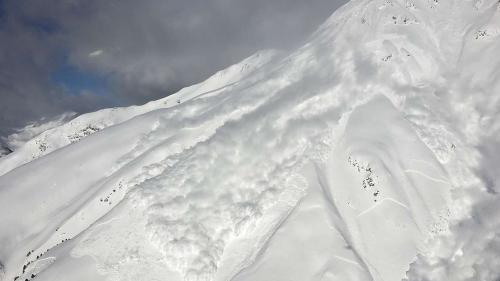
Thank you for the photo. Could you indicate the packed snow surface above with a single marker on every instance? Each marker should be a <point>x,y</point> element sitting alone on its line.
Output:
<point>369,153</point>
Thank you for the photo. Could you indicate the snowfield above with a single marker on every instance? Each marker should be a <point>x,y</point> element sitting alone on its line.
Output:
<point>369,153</point>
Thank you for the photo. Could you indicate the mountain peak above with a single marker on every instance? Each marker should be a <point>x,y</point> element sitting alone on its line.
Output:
<point>335,161</point>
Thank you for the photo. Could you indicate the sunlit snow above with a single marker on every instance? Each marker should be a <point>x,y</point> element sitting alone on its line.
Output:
<point>369,153</point>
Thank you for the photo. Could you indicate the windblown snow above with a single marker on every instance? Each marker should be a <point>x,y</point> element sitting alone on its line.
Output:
<point>369,153</point>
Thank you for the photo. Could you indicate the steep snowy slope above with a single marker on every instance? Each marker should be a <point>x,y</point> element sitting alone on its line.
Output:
<point>342,160</point>
<point>52,139</point>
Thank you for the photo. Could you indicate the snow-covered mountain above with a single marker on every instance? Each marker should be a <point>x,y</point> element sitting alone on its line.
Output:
<point>58,134</point>
<point>369,153</point>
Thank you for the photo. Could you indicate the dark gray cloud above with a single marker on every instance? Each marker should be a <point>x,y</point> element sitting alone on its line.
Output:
<point>29,53</point>
<point>143,49</point>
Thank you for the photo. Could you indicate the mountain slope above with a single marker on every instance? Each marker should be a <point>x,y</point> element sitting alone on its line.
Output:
<point>338,161</point>
<point>87,124</point>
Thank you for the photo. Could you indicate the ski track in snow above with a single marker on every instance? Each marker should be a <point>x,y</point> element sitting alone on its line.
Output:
<point>426,176</point>
<point>380,202</point>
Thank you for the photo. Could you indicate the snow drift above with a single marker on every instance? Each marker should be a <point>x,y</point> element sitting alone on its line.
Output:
<point>369,153</point>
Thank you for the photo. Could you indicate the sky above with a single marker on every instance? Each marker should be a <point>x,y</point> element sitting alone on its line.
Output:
<point>82,55</point>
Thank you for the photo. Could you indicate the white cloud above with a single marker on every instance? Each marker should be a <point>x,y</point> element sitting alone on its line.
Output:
<point>96,53</point>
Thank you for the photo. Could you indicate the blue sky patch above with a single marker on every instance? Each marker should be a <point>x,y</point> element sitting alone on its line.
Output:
<point>76,80</point>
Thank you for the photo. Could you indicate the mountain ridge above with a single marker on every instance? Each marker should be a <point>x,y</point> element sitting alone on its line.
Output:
<point>370,127</point>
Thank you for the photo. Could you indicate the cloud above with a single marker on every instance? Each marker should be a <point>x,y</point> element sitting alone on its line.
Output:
<point>28,56</point>
<point>153,47</point>
<point>96,53</point>
<point>143,49</point>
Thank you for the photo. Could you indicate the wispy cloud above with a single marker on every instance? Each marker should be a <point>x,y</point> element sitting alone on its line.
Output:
<point>96,53</point>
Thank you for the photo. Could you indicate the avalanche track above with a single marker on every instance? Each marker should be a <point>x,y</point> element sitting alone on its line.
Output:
<point>360,155</point>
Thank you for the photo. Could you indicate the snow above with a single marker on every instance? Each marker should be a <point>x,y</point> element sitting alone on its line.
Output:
<point>369,153</point>
<point>49,136</point>
<point>30,131</point>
